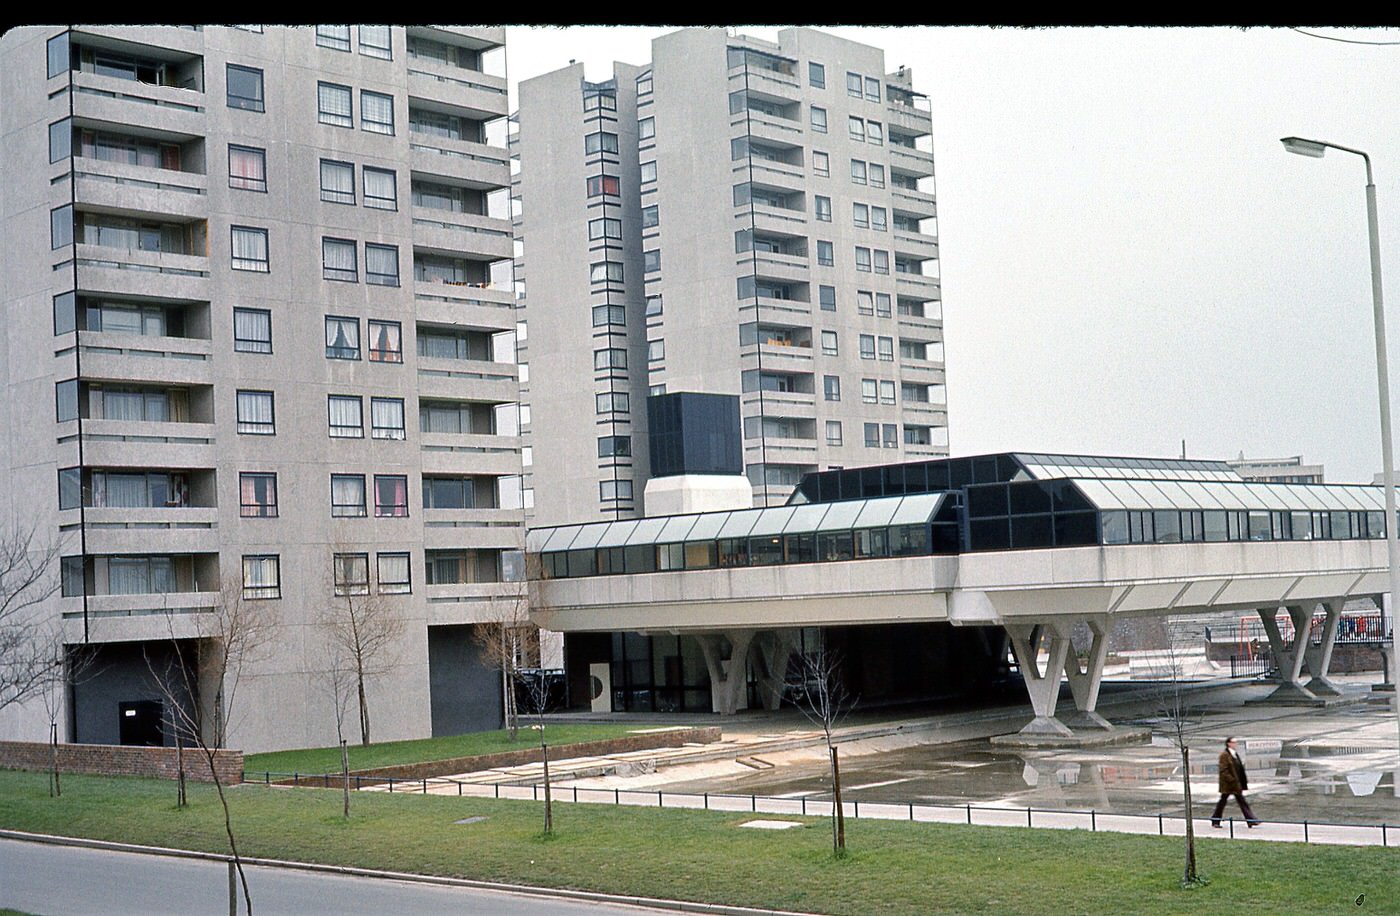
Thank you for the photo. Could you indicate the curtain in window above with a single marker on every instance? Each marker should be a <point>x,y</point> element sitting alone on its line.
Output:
<point>351,574</point>
<point>255,408</point>
<point>258,490</point>
<point>249,245</point>
<point>339,257</point>
<point>345,414</point>
<point>338,179</point>
<point>377,112</point>
<point>260,573</point>
<point>391,496</point>
<point>386,416</point>
<point>348,492</point>
<point>245,166</point>
<point>437,419</point>
<point>437,346</point>
<point>343,337</point>
<point>380,185</point>
<point>382,262</point>
<point>393,572</point>
<point>128,576</point>
<point>122,405</point>
<point>123,490</point>
<point>252,326</point>
<point>334,101</point>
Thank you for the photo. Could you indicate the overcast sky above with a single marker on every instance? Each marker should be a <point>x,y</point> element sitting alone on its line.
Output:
<point>1129,257</point>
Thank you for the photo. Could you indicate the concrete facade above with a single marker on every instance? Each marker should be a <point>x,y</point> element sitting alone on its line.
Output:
<point>243,257</point>
<point>775,239</point>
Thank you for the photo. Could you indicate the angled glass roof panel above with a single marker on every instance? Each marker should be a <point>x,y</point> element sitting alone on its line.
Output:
<point>1252,497</point>
<point>1280,496</point>
<point>842,515</point>
<point>1227,493</point>
<point>588,537</point>
<point>561,538</point>
<point>646,531</point>
<point>677,527</point>
<point>917,509</point>
<point>771,520</point>
<point>536,538</point>
<point>617,534</point>
<point>1124,494</point>
<point>707,526</point>
<point>1180,499</point>
<point>1152,497</point>
<point>1205,497</point>
<point>806,518</point>
<point>1356,497</point>
<point>1100,494</point>
<point>877,513</point>
<point>739,523</point>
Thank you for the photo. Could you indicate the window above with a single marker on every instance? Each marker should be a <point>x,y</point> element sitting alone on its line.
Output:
<point>351,573</point>
<point>886,392</point>
<point>376,112</point>
<point>651,261</point>
<point>872,435</point>
<point>614,446</point>
<point>60,140</point>
<point>70,488</point>
<point>857,171</point>
<point>878,219</point>
<point>877,175</point>
<point>252,330</point>
<point>245,88</point>
<point>872,89</point>
<point>342,338</point>
<point>335,37</point>
<point>649,217</point>
<point>382,268</point>
<point>886,346</point>
<point>829,343</point>
<point>386,418</point>
<point>604,315</point>
<point>262,577</point>
<point>247,168</point>
<point>393,574</point>
<point>823,208</point>
<point>610,490</point>
<point>60,55</point>
<point>375,42</point>
<point>595,100</point>
<point>613,402</point>
<point>61,226</point>
<point>653,306</point>
<point>249,248</point>
<point>605,272</point>
<point>257,495</point>
<point>821,164</point>
<point>347,495</point>
<point>853,85</point>
<point>385,337</point>
<point>831,387</point>
<point>865,302</point>
<point>337,182</point>
<point>882,305</point>
<point>855,128</point>
<point>345,416</point>
<point>646,128</point>
<point>648,171</point>
<point>601,142</point>
<point>875,133</point>
<point>338,260</point>
<point>826,295</point>
<point>869,391</point>
<point>818,120</point>
<point>863,260</point>
<point>381,188</point>
<point>882,262</point>
<point>390,496</point>
<point>333,105</point>
<point>867,346</point>
<point>890,435</point>
<point>604,186</point>
<point>833,432</point>
<point>816,75</point>
<point>656,351</point>
<point>644,84</point>
<point>255,413</point>
<point>611,358</point>
<point>604,228</point>
<point>826,255</point>
<point>860,216</point>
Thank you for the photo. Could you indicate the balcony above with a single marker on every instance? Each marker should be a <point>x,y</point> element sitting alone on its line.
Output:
<point>912,161</point>
<point>163,360</point>
<point>776,219</point>
<point>476,93</point>
<point>448,529</point>
<point>164,530</point>
<point>776,268</point>
<point>469,602</point>
<point>471,453</point>
<point>135,104</point>
<point>464,232</point>
<point>917,286</point>
<point>124,272</point>
<point>913,203</point>
<point>476,164</point>
<point>908,119</point>
<point>156,616</point>
<point>465,306</point>
<point>768,173</point>
<point>119,186</point>
<point>916,245</point>
<point>482,380</point>
<point>761,126</point>
<point>795,405</point>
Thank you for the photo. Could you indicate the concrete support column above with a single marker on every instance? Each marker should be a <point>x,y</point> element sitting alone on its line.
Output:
<point>1043,688</point>
<point>1319,658</point>
<point>1084,682</point>
<point>1289,658</point>
<point>728,673</point>
<point>775,647</point>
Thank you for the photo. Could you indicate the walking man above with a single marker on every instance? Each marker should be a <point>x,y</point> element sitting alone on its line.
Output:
<point>1233,781</point>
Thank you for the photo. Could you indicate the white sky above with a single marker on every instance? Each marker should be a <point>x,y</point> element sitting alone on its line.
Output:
<point>1129,257</point>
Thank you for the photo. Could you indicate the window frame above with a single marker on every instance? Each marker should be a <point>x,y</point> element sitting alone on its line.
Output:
<point>255,427</point>
<point>394,586</point>
<point>390,510</point>
<point>340,274</point>
<point>244,183</point>
<point>816,75</point>
<point>272,585</point>
<point>240,102</point>
<point>255,509</point>
<point>377,201</point>
<point>348,510</point>
<point>379,278</point>
<point>334,195</point>
<point>374,48</point>
<point>329,117</point>
<point>345,430</point>
<point>326,38</point>
<point>818,120</point>
<point>342,565</point>
<point>263,265</point>
<point>376,124</point>
<point>821,164</point>
<point>341,322</point>
<point>390,433</point>
<point>252,344</point>
<point>388,354</point>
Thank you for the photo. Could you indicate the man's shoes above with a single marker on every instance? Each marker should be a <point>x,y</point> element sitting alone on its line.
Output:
<point>1255,823</point>
<point>1216,825</point>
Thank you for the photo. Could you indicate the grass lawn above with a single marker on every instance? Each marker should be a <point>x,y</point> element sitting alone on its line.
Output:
<point>894,868</point>
<point>392,753</point>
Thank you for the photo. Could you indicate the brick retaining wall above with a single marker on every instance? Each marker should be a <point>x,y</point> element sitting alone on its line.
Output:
<point>118,760</point>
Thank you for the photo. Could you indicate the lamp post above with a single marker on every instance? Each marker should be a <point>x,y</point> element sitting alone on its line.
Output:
<point>1316,149</point>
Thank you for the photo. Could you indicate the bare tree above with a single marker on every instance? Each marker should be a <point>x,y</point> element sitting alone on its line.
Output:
<point>1179,718</point>
<point>363,627</point>
<point>68,665</point>
<point>537,694</point>
<point>28,578</point>
<point>508,644</point>
<point>228,638</point>
<point>340,681</point>
<point>824,700</point>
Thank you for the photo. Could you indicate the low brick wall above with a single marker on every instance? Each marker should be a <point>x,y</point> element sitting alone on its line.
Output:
<point>1347,658</point>
<point>701,735</point>
<point>117,760</point>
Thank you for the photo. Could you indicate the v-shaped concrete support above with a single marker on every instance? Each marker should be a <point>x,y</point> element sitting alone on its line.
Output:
<point>1043,688</point>
<point>1084,681</point>
<point>728,674</point>
<point>775,647</point>
<point>1318,658</point>
<point>1289,658</point>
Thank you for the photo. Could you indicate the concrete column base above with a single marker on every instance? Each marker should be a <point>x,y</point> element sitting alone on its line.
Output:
<point>1087,720</point>
<point>1322,687</point>
<point>1046,725</point>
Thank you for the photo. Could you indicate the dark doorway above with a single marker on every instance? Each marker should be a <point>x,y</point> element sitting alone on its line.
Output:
<point>141,723</point>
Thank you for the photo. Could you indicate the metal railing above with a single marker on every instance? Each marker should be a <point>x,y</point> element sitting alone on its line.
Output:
<point>1163,824</point>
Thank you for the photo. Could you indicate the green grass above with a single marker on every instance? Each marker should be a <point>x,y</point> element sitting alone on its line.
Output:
<point>393,753</point>
<point>893,868</point>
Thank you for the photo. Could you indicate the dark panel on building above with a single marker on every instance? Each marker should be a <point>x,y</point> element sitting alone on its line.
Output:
<point>694,433</point>
<point>580,651</point>
<point>464,692</point>
<point>119,701</point>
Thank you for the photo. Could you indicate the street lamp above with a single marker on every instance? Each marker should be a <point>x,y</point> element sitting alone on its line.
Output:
<point>1316,149</point>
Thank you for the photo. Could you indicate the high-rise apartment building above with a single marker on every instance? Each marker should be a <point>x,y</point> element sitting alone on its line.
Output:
<point>736,217</point>
<point>260,335</point>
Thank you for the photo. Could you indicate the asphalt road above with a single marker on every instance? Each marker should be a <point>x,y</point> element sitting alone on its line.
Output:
<point>46,879</point>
